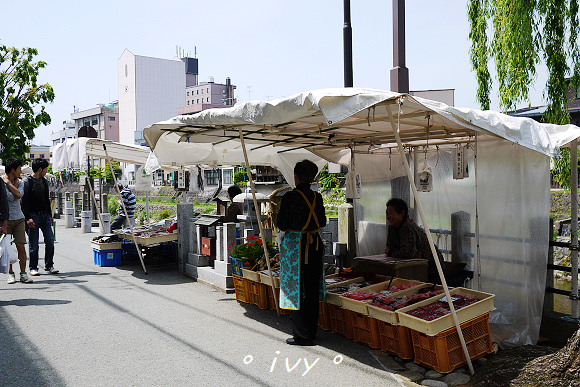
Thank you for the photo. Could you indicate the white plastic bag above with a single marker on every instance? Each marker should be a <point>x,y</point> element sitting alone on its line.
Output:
<point>425,178</point>
<point>8,254</point>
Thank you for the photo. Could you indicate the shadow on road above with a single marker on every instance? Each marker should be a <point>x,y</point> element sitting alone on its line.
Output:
<point>20,360</point>
<point>158,273</point>
<point>33,302</point>
<point>334,342</point>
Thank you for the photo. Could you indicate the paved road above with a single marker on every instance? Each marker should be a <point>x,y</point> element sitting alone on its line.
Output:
<point>115,326</point>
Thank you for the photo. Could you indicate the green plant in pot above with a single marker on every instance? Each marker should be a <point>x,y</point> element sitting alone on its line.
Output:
<point>250,251</point>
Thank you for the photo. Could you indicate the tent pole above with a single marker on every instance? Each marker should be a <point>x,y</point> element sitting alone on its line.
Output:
<point>96,206</point>
<point>574,226</point>
<point>416,177</point>
<point>419,207</point>
<point>125,210</point>
<point>266,254</point>
<point>147,205</point>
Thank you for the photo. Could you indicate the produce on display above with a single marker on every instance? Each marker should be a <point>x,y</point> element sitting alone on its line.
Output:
<point>441,308</point>
<point>394,303</point>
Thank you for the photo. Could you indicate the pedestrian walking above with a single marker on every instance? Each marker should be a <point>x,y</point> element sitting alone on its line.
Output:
<point>38,214</point>
<point>130,202</point>
<point>16,223</point>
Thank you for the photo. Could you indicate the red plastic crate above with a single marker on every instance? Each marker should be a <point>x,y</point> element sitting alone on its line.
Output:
<point>365,330</point>
<point>324,316</point>
<point>272,305</point>
<point>340,320</point>
<point>258,294</point>
<point>443,352</point>
<point>395,339</point>
<point>241,288</point>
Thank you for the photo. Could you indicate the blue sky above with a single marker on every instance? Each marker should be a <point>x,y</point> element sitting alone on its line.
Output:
<point>270,49</point>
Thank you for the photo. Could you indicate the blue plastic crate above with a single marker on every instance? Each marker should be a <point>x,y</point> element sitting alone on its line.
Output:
<point>237,266</point>
<point>107,257</point>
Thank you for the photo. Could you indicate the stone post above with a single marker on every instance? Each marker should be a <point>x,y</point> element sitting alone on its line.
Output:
<point>184,214</point>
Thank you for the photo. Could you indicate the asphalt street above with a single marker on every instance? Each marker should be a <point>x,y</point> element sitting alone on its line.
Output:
<point>116,326</point>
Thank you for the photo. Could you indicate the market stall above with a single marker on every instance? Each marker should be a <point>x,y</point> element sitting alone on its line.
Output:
<point>505,195</point>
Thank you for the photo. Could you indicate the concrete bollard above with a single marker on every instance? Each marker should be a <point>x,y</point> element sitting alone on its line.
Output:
<point>86,221</point>
<point>106,218</point>
<point>69,215</point>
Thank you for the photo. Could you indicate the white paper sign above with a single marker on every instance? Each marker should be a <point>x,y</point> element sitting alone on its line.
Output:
<point>143,181</point>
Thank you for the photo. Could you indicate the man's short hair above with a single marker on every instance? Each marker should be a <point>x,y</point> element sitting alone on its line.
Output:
<point>39,164</point>
<point>120,187</point>
<point>234,190</point>
<point>12,163</point>
<point>306,171</point>
<point>399,205</point>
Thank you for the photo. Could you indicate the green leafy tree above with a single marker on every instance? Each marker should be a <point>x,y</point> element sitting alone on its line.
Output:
<point>116,169</point>
<point>518,35</point>
<point>20,96</point>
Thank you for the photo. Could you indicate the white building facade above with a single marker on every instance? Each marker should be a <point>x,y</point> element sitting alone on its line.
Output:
<point>150,90</point>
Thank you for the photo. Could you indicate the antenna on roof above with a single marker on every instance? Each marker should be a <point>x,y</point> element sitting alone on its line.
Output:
<point>195,51</point>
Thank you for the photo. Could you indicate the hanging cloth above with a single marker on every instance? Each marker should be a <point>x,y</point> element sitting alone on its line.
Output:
<point>290,262</point>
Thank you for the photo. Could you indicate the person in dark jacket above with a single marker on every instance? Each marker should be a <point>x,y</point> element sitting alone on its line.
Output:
<point>301,217</point>
<point>130,202</point>
<point>38,214</point>
<point>407,240</point>
<point>234,209</point>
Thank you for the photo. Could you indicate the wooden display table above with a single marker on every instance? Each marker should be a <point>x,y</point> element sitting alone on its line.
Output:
<point>150,240</point>
<point>415,269</point>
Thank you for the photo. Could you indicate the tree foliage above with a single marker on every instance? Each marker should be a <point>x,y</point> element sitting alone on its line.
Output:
<point>20,94</point>
<point>518,35</point>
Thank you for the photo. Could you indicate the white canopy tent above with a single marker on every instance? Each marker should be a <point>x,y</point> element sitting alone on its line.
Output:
<point>73,153</point>
<point>507,199</point>
<point>173,150</point>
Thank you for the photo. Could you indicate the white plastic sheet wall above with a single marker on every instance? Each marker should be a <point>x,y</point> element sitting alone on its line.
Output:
<point>513,207</point>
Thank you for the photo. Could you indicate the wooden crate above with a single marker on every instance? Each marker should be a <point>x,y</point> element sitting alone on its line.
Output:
<point>365,330</point>
<point>334,299</point>
<point>241,289</point>
<point>395,339</point>
<point>324,316</point>
<point>265,279</point>
<point>444,353</point>
<point>484,305</point>
<point>258,294</point>
<point>362,307</point>
<point>251,275</point>
<point>340,320</point>
<point>107,246</point>
<point>392,317</point>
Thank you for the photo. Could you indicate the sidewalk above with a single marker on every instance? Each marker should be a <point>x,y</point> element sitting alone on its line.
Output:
<point>116,326</point>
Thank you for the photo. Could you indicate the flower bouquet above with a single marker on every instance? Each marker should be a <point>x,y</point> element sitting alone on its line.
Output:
<point>250,251</point>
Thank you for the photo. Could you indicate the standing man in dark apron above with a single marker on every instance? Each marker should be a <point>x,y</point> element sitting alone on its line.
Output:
<point>301,216</point>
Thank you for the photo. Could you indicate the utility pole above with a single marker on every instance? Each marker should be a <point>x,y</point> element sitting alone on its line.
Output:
<point>399,72</point>
<point>347,42</point>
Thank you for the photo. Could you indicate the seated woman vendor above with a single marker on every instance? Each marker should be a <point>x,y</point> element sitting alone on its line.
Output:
<point>407,240</point>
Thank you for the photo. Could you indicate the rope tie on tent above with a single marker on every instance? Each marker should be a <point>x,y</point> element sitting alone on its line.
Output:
<point>187,138</point>
<point>390,161</point>
<point>369,115</point>
<point>437,162</point>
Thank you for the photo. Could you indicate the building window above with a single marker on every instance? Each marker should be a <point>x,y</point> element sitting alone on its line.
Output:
<point>198,100</point>
<point>188,93</point>
<point>201,91</point>
<point>210,177</point>
<point>41,155</point>
<point>223,91</point>
<point>111,118</point>
<point>87,122</point>
<point>197,91</point>
<point>208,90</point>
<point>208,99</point>
<point>95,120</point>
<point>31,156</point>
<point>187,103</point>
<point>228,176</point>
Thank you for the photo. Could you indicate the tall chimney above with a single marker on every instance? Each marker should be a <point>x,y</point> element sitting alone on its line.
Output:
<point>399,73</point>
